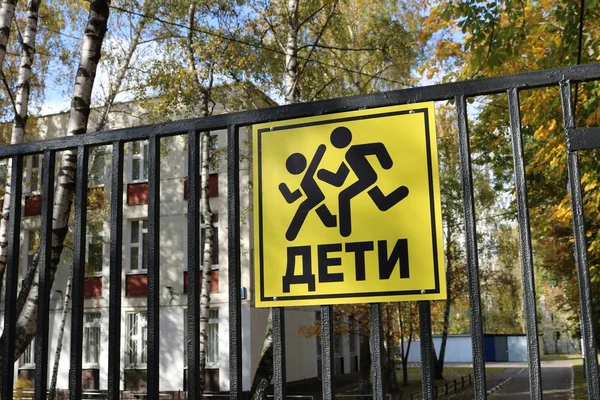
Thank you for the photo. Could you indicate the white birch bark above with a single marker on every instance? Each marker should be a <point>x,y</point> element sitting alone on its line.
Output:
<point>207,215</point>
<point>21,105</point>
<point>78,119</point>
<point>7,11</point>
<point>291,54</point>
<point>59,340</point>
<point>264,373</point>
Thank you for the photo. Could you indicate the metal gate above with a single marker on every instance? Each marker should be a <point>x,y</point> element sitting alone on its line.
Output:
<point>577,139</point>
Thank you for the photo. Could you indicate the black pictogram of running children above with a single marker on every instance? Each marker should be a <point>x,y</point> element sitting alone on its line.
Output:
<point>356,161</point>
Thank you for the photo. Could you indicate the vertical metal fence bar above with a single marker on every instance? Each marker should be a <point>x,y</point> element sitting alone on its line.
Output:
<point>583,273</point>
<point>233,249</point>
<point>116,268</point>
<point>193,232</point>
<point>533,345</point>
<point>279,373</point>
<point>12,277</point>
<point>153,318</point>
<point>426,350</point>
<point>479,386</point>
<point>327,350</point>
<point>41,343</point>
<point>376,339</point>
<point>81,192</point>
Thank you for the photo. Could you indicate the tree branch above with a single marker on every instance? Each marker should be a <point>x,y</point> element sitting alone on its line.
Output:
<point>328,47</point>
<point>323,88</point>
<point>270,26</point>
<point>311,16</point>
<point>190,49</point>
<point>10,93</point>
<point>319,36</point>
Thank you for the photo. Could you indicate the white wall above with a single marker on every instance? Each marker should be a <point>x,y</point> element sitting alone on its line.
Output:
<point>301,352</point>
<point>458,349</point>
<point>517,348</point>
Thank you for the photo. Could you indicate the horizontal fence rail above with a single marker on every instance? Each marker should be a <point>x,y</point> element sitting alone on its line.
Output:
<point>79,148</point>
<point>448,91</point>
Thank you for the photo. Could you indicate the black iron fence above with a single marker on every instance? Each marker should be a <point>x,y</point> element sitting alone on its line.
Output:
<point>577,139</point>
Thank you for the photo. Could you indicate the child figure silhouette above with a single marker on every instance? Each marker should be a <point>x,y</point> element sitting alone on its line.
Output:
<point>356,160</point>
<point>295,165</point>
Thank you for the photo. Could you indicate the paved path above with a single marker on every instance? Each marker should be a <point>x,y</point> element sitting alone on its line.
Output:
<point>513,384</point>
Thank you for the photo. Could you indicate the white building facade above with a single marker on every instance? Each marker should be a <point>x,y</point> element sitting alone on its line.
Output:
<point>302,352</point>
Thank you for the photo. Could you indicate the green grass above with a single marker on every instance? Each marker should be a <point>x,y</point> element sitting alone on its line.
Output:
<point>450,373</point>
<point>580,381</point>
<point>550,357</point>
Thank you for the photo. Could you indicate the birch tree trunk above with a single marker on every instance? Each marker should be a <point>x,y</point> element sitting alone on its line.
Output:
<point>59,340</point>
<point>291,54</point>
<point>21,103</point>
<point>207,215</point>
<point>78,119</point>
<point>7,11</point>
<point>264,372</point>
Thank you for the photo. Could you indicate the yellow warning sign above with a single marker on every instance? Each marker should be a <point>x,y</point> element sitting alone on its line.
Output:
<point>347,208</point>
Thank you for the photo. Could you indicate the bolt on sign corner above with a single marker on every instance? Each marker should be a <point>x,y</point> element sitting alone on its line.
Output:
<point>347,208</point>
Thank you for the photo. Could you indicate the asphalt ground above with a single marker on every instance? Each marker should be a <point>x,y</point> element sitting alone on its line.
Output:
<point>513,383</point>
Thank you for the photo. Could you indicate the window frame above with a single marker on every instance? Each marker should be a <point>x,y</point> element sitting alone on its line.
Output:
<point>99,153</point>
<point>141,341</point>
<point>213,320</point>
<point>28,190</point>
<point>88,241</point>
<point>87,326</point>
<point>216,242</point>
<point>142,156</point>
<point>215,147</point>
<point>139,245</point>
<point>27,359</point>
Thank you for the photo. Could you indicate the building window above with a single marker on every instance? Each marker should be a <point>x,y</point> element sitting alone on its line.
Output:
<point>212,351</point>
<point>212,346</point>
<point>97,175</point>
<point>139,161</point>
<point>28,357</point>
<point>91,340</point>
<point>94,251</point>
<point>138,246</point>
<point>33,173</point>
<point>137,340</point>
<point>32,237</point>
